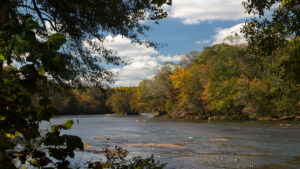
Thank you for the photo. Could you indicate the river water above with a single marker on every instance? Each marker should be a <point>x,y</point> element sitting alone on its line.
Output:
<point>196,144</point>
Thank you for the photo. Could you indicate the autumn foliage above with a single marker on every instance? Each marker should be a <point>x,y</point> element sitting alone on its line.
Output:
<point>223,81</point>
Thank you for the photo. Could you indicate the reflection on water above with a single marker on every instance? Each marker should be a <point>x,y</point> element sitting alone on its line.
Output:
<point>200,144</point>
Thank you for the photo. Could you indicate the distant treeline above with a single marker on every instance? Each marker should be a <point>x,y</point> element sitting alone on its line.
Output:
<point>223,81</point>
<point>88,100</point>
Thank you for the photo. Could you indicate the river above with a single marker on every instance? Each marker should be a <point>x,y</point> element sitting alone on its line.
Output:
<point>192,144</point>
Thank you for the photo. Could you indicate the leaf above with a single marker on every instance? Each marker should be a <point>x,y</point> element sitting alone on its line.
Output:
<point>19,38</point>
<point>73,142</point>
<point>56,40</point>
<point>11,136</point>
<point>29,70</point>
<point>2,118</point>
<point>67,124</point>
<point>53,140</point>
<point>42,70</point>
<point>55,128</point>
<point>106,165</point>
<point>56,153</point>
<point>2,58</point>
<point>34,163</point>
<point>45,102</point>
<point>17,133</point>
<point>44,114</point>
<point>30,24</point>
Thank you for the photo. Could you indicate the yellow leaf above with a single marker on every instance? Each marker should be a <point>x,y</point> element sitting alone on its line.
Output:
<point>10,136</point>
<point>2,118</point>
<point>17,133</point>
<point>42,70</point>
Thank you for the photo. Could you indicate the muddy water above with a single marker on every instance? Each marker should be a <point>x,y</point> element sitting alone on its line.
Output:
<point>192,144</point>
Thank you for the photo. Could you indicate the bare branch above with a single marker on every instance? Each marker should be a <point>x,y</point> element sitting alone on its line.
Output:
<point>39,13</point>
<point>31,8</point>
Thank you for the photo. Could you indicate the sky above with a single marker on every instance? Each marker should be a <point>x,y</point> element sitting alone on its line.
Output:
<point>191,25</point>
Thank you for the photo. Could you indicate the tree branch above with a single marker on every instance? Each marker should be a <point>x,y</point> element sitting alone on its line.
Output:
<point>50,23</point>
<point>39,13</point>
<point>31,8</point>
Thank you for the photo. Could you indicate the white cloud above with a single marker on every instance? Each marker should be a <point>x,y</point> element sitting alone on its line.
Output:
<point>176,58</point>
<point>125,48</point>
<point>143,64</point>
<point>50,31</point>
<point>225,32</point>
<point>200,42</point>
<point>196,11</point>
<point>132,74</point>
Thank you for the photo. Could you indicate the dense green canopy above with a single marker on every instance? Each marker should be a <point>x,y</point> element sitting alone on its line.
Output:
<point>265,34</point>
<point>43,44</point>
<point>85,25</point>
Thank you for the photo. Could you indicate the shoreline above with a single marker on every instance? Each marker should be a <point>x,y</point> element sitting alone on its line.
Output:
<point>191,117</point>
<point>232,118</point>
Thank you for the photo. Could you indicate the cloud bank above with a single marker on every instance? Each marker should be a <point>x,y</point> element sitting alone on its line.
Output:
<point>196,11</point>
<point>143,61</point>
<point>222,33</point>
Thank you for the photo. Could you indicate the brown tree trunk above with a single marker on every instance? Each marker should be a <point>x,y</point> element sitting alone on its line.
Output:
<point>4,9</point>
<point>4,18</point>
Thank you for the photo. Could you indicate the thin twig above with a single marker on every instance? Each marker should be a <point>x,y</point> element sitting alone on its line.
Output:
<point>39,13</point>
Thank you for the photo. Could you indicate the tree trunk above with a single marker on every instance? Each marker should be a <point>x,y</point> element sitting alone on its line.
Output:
<point>4,9</point>
<point>4,18</point>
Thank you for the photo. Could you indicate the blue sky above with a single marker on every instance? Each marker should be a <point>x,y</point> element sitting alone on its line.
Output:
<point>182,38</point>
<point>191,25</point>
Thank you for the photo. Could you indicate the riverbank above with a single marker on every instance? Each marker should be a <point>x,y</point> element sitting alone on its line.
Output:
<point>227,117</point>
<point>197,117</point>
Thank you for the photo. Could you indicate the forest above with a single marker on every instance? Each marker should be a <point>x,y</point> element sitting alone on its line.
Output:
<point>259,79</point>
<point>224,81</point>
<point>53,60</point>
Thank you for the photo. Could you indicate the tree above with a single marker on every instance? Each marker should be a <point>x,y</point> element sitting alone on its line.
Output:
<point>19,117</point>
<point>85,24</point>
<point>56,40</point>
<point>188,58</point>
<point>186,83</point>
<point>121,101</point>
<point>273,55</point>
<point>152,94</point>
<point>266,35</point>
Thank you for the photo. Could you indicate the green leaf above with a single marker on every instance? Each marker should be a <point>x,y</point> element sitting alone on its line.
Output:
<point>42,70</point>
<point>2,58</point>
<point>67,124</point>
<point>34,163</point>
<point>73,142</point>
<point>53,140</point>
<point>19,38</point>
<point>46,113</point>
<point>30,24</point>
<point>17,133</point>
<point>29,70</point>
<point>55,128</point>
<point>45,102</point>
<point>56,153</point>
<point>56,40</point>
